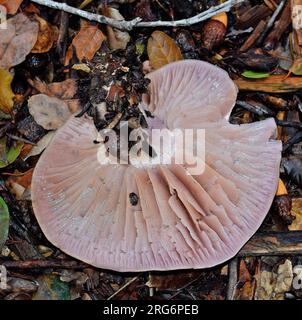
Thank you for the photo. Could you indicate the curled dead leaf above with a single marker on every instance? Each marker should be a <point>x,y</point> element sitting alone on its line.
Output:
<point>46,37</point>
<point>17,40</point>
<point>162,50</point>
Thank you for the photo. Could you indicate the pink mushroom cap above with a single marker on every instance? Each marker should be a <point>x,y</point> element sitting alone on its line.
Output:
<point>180,220</point>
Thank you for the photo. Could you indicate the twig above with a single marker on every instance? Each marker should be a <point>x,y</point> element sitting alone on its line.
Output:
<point>34,264</point>
<point>137,22</point>
<point>296,138</point>
<point>124,25</point>
<point>184,288</point>
<point>273,244</point>
<point>271,21</point>
<point>259,110</point>
<point>294,124</point>
<point>233,276</point>
<point>123,287</point>
<point>16,138</point>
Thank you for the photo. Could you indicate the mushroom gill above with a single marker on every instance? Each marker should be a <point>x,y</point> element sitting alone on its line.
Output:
<point>132,218</point>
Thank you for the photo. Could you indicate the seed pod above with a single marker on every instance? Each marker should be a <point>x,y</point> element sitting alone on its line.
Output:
<point>213,32</point>
<point>282,204</point>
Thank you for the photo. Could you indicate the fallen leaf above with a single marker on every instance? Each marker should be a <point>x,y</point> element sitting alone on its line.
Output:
<point>86,43</point>
<point>52,288</point>
<point>172,281</point>
<point>49,112</point>
<point>81,67</point>
<point>24,179</point>
<point>9,156</point>
<point>284,280</point>
<point>6,93</point>
<point>31,8</point>
<point>25,150</point>
<point>11,6</point>
<point>65,90</point>
<point>162,50</point>
<point>273,84</point>
<point>20,285</point>
<point>246,285</point>
<point>46,36</point>
<point>41,145</point>
<point>266,282</point>
<point>117,39</point>
<point>17,40</point>
<point>296,211</point>
<point>255,75</point>
<point>4,222</point>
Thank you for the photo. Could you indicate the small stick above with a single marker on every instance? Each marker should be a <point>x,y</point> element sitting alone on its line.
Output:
<point>233,277</point>
<point>293,140</point>
<point>294,124</point>
<point>12,136</point>
<point>123,287</point>
<point>53,264</point>
<point>137,22</point>
<point>271,21</point>
<point>254,36</point>
<point>279,28</point>
<point>256,109</point>
<point>273,244</point>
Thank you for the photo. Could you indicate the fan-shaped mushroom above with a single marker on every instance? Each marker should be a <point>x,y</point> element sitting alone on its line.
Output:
<point>130,218</point>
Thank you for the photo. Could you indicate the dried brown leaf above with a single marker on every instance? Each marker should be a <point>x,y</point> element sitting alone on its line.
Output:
<point>65,90</point>
<point>11,6</point>
<point>46,37</point>
<point>86,43</point>
<point>49,112</point>
<point>172,281</point>
<point>272,84</point>
<point>162,50</point>
<point>297,211</point>
<point>17,40</point>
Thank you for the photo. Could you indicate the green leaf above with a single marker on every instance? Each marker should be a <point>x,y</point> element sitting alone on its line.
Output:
<point>140,48</point>
<point>52,288</point>
<point>8,157</point>
<point>296,67</point>
<point>255,75</point>
<point>4,222</point>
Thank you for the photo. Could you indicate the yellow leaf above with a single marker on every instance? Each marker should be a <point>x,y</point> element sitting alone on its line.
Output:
<point>162,50</point>
<point>6,93</point>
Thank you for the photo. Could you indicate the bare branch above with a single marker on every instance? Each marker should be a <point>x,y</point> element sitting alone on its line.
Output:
<point>137,22</point>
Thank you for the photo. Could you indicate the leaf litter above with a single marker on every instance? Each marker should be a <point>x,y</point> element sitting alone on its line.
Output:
<point>102,75</point>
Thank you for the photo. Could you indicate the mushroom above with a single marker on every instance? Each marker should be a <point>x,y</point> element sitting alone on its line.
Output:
<point>161,217</point>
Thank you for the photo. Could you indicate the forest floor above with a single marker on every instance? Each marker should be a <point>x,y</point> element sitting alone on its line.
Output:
<point>63,57</point>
